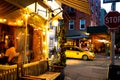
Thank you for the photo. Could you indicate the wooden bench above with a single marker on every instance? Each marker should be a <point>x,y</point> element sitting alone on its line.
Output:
<point>36,71</point>
<point>45,76</point>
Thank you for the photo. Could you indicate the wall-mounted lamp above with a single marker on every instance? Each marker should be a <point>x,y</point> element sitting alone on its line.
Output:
<point>55,23</point>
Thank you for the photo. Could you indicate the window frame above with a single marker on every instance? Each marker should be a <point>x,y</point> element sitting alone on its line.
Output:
<point>70,9</point>
<point>70,25</point>
<point>84,23</point>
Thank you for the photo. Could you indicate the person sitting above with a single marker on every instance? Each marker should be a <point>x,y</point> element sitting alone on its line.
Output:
<point>3,58</point>
<point>2,48</point>
<point>11,54</point>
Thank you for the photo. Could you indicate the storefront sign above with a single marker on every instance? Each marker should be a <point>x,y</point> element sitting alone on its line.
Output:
<point>110,1</point>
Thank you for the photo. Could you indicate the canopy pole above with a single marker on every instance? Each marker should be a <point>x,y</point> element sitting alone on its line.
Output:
<point>26,32</point>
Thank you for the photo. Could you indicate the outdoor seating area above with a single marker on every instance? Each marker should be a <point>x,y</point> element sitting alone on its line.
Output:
<point>29,71</point>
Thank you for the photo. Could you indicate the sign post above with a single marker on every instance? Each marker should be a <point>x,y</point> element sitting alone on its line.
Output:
<point>112,20</point>
<point>113,38</point>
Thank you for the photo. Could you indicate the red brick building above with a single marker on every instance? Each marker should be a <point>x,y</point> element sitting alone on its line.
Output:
<point>77,22</point>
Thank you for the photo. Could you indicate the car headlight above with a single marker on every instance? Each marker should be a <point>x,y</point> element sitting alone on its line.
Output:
<point>91,54</point>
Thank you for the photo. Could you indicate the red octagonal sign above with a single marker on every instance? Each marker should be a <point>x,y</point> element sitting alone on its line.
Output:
<point>112,19</point>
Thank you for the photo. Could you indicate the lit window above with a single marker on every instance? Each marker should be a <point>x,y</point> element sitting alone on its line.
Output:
<point>71,24</point>
<point>82,24</point>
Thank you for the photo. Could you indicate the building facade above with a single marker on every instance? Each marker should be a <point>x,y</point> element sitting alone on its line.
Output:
<point>100,36</point>
<point>102,15</point>
<point>77,22</point>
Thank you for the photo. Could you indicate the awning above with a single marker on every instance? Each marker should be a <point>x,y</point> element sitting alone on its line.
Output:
<point>24,3</point>
<point>76,34</point>
<point>78,37</point>
<point>81,5</point>
<point>6,8</point>
<point>97,29</point>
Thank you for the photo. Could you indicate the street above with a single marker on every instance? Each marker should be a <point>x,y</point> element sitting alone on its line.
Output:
<point>87,70</point>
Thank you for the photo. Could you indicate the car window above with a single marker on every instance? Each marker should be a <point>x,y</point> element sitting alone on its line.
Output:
<point>77,49</point>
<point>73,48</point>
<point>67,48</point>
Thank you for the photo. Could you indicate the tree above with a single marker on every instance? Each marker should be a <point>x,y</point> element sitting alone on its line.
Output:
<point>62,41</point>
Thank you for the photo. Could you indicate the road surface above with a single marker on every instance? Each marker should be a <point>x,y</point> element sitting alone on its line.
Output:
<point>87,70</point>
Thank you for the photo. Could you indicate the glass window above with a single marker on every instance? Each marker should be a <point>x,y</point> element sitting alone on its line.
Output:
<point>76,49</point>
<point>92,9</point>
<point>71,48</point>
<point>51,27</point>
<point>51,42</point>
<point>71,24</point>
<point>82,24</point>
<point>67,48</point>
<point>70,9</point>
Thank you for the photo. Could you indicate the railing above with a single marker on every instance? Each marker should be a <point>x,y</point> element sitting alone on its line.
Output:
<point>8,72</point>
<point>14,72</point>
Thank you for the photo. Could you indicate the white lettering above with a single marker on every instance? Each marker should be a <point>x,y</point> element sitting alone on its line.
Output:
<point>107,20</point>
<point>112,19</point>
<point>115,20</point>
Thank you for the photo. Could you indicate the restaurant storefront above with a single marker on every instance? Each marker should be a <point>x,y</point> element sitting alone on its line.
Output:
<point>28,27</point>
<point>28,32</point>
<point>100,39</point>
<point>18,35</point>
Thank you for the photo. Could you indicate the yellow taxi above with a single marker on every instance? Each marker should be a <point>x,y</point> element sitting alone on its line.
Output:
<point>76,52</point>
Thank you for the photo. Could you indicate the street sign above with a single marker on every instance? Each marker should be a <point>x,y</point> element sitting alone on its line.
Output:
<point>110,1</point>
<point>112,19</point>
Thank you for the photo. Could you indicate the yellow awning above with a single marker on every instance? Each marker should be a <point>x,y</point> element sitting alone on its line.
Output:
<point>81,5</point>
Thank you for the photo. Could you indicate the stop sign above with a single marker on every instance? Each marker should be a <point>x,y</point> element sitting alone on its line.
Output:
<point>112,19</point>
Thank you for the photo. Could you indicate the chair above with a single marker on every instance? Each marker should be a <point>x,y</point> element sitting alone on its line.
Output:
<point>4,60</point>
<point>13,61</point>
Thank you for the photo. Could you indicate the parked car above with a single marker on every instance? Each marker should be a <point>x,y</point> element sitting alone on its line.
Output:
<point>76,52</point>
